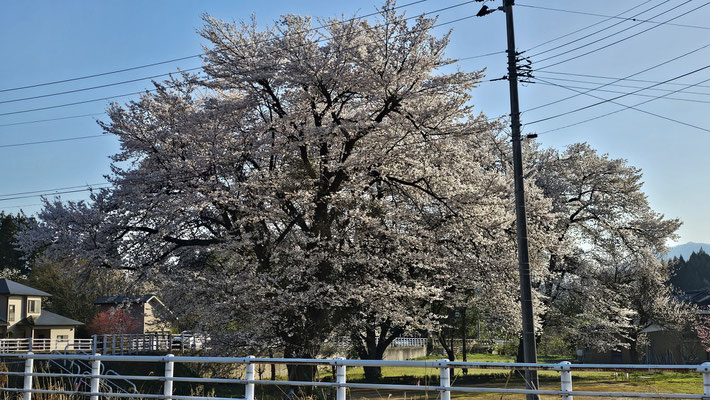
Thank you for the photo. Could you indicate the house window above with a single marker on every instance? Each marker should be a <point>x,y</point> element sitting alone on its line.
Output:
<point>62,338</point>
<point>32,306</point>
<point>11,313</point>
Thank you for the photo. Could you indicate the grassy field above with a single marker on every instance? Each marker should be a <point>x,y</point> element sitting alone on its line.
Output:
<point>582,380</point>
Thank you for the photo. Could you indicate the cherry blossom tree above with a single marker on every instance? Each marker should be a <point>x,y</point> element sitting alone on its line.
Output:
<point>606,280</point>
<point>315,182</point>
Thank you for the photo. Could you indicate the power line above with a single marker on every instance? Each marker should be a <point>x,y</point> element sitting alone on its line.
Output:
<point>622,92</point>
<point>612,34</point>
<point>52,119</point>
<point>623,39</point>
<point>594,33</point>
<point>613,17</point>
<point>177,72</point>
<point>625,107</point>
<point>616,78</point>
<point>152,90</point>
<point>626,86</point>
<point>192,56</point>
<point>51,141</point>
<point>621,96</point>
<point>75,103</point>
<point>47,194</point>
<point>95,87</point>
<point>626,77</point>
<point>586,27</point>
<point>44,191</point>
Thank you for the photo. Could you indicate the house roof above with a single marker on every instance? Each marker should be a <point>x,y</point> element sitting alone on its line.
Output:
<point>11,287</point>
<point>700,297</point>
<point>47,318</point>
<point>124,299</point>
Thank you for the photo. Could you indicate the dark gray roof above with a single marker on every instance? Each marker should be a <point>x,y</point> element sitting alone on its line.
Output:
<point>47,318</point>
<point>124,299</point>
<point>11,287</point>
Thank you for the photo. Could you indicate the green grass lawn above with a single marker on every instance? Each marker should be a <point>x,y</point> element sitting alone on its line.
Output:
<point>582,380</point>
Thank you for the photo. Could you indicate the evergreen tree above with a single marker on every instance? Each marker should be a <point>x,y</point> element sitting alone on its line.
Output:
<point>11,259</point>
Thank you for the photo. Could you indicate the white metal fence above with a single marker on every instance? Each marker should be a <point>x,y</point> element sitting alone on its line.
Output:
<point>150,343</point>
<point>95,379</point>
<point>24,345</point>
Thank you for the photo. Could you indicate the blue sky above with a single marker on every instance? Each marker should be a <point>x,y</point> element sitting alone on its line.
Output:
<point>44,41</point>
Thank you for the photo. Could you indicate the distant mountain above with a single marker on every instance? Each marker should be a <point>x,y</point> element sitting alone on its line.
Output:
<point>685,250</point>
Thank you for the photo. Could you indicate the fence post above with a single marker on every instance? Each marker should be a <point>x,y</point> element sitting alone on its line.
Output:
<point>182,342</point>
<point>249,388</point>
<point>169,371</point>
<point>29,345</point>
<point>340,377</point>
<point>95,380</point>
<point>444,379</point>
<point>94,345</point>
<point>566,379</point>
<point>29,366</point>
<point>705,369</point>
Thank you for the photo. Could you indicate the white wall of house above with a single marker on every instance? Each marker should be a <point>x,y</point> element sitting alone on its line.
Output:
<point>19,304</point>
<point>151,317</point>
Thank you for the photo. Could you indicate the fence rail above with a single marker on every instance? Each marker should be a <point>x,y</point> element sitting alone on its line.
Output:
<point>95,378</point>
<point>150,343</point>
<point>23,345</point>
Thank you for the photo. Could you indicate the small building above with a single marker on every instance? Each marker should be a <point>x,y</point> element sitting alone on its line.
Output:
<point>146,310</point>
<point>22,316</point>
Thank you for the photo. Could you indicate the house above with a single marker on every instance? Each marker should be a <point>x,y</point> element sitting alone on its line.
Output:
<point>668,346</point>
<point>147,310</point>
<point>22,316</point>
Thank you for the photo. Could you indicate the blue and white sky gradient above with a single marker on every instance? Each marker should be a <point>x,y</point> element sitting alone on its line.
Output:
<point>43,41</point>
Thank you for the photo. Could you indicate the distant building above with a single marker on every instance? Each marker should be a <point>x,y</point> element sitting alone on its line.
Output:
<point>22,316</point>
<point>668,346</point>
<point>147,310</point>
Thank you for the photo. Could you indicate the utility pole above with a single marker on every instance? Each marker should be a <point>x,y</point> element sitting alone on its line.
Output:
<point>529,352</point>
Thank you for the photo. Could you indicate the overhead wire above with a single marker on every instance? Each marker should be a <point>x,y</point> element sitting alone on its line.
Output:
<point>615,78</point>
<point>51,141</point>
<point>145,91</point>
<point>584,28</point>
<point>97,86</point>
<point>625,107</point>
<point>695,71</point>
<point>613,16</point>
<point>627,86</point>
<point>191,56</point>
<point>622,92</point>
<point>626,77</point>
<point>594,33</point>
<point>52,119</point>
<point>623,39</point>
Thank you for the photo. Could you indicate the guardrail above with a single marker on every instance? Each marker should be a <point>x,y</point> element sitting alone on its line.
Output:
<point>23,345</point>
<point>149,343</point>
<point>341,385</point>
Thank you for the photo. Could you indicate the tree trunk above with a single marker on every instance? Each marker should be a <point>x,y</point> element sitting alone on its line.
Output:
<point>273,366</point>
<point>633,352</point>
<point>463,338</point>
<point>448,348</point>
<point>374,348</point>
<point>302,373</point>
